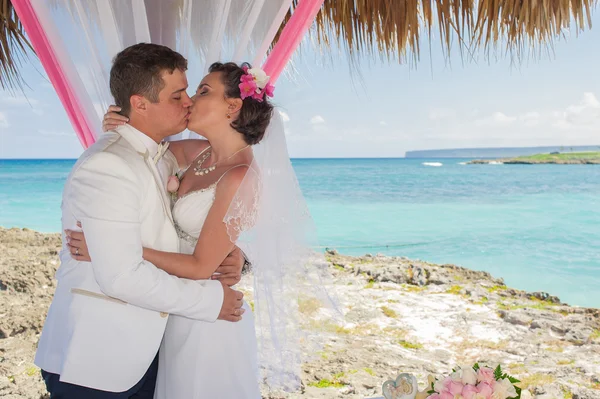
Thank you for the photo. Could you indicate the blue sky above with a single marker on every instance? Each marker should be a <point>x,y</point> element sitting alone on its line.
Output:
<point>383,109</point>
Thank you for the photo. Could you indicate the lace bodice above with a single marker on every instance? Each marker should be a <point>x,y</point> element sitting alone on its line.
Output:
<point>189,213</point>
<point>190,210</point>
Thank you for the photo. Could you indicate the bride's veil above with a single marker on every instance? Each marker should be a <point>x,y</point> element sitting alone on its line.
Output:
<point>269,220</point>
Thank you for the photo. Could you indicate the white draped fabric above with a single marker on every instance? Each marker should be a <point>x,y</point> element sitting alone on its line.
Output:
<point>88,34</point>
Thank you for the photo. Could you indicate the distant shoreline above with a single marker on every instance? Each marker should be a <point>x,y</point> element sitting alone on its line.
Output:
<point>497,152</point>
<point>569,158</point>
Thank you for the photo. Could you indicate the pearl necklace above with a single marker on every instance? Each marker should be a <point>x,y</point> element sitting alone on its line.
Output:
<point>200,171</point>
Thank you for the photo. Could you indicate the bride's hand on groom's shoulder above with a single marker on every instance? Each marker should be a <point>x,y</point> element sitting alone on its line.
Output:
<point>230,271</point>
<point>112,119</point>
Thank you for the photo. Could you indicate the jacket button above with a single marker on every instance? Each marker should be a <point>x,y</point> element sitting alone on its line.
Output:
<point>163,314</point>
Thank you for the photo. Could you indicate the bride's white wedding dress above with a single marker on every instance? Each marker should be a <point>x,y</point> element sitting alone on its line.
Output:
<point>200,360</point>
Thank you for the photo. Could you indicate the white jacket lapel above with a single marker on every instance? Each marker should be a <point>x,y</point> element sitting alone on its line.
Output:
<point>161,186</point>
<point>128,133</point>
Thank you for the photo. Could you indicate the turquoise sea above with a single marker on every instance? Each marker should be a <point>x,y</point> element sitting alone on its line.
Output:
<point>538,227</point>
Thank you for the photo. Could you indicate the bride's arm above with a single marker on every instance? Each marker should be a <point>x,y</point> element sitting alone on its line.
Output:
<point>214,243</point>
<point>213,246</point>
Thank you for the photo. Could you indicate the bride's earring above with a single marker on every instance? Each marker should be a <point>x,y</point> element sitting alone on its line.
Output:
<point>228,116</point>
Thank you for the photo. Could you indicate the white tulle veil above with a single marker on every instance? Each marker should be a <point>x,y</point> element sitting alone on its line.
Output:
<point>269,220</point>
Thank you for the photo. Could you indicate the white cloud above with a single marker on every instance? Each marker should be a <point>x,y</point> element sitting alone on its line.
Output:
<point>284,116</point>
<point>576,124</point>
<point>441,113</point>
<point>583,116</point>
<point>383,123</point>
<point>501,118</point>
<point>496,119</point>
<point>561,123</point>
<point>3,120</point>
<point>587,112</point>
<point>19,100</point>
<point>317,119</point>
<point>55,133</point>
<point>530,116</point>
<point>530,119</point>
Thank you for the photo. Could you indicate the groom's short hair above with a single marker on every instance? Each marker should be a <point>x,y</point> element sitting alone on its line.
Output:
<point>138,70</point>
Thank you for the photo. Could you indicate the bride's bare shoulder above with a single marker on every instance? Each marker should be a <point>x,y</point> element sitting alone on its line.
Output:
<point>186,150</point>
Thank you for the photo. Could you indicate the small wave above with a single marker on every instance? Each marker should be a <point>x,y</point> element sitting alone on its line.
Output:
<point>462,163</point>
<point>495,163</point>
<point>432,163</point>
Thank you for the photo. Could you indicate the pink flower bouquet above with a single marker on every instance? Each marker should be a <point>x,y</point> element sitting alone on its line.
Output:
<point>475,383</point>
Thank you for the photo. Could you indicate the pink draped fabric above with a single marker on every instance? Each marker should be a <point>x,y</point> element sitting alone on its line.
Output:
<point>52,52</point>
<point>291,36</point>
<point>51,64</point>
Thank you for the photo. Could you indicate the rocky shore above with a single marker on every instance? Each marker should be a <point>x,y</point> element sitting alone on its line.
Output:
<point>401,315</point>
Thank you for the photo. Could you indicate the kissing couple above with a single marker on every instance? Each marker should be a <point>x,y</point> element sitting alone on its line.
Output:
<point>156,234</point>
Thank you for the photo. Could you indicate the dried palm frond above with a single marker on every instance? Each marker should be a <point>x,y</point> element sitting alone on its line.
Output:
<point>14,47</point>
<point>394,27</point>
<point>523,23</point>
<point>391,29</point>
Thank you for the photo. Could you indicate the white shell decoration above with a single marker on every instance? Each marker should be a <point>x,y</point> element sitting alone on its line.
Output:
<point>404,387</point>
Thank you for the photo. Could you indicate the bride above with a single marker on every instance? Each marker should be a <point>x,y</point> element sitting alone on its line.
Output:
<point>232,193</point>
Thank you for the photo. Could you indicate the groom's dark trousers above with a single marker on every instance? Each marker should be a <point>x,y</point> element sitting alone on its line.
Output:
<point>144,389</point>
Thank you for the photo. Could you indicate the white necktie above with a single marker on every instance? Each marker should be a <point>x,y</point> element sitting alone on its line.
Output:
<point>162,148</point>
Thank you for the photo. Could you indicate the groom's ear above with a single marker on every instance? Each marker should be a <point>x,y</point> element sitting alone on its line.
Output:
<point>139,104</point>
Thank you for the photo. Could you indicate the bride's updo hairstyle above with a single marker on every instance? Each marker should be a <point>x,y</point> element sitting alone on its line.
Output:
<point>254,116</point>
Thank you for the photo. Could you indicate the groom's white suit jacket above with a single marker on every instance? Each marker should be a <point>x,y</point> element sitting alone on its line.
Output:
<point>107,318</point>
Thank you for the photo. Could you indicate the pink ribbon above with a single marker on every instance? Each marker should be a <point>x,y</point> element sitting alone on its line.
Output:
<point>291,36</point>
<point>49,60</point>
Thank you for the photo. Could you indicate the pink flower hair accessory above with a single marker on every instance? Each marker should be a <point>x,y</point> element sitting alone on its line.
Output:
<point>254,83</point>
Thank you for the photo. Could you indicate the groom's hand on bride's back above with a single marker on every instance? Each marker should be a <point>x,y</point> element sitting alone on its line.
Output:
<point>231,310</point>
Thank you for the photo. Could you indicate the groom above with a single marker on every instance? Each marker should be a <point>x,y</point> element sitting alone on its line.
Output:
<point>108,316</point>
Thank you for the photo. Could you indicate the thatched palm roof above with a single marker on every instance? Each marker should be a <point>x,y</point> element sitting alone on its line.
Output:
<point>13,46</point>
<point>394,28</point>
